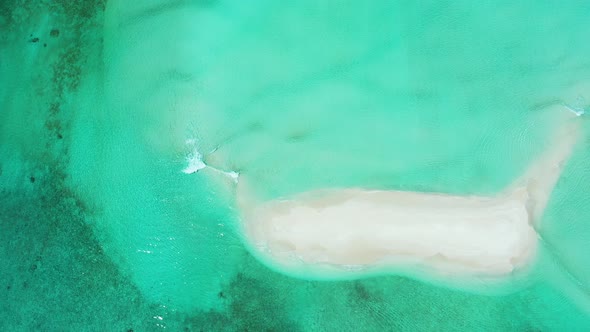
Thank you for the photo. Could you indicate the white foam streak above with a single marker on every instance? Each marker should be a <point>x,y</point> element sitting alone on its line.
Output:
<point>196,163</point>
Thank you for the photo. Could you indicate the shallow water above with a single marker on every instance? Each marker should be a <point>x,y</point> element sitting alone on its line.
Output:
<point>101,229</point>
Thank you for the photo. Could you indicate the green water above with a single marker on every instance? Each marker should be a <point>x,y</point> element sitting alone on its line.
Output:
<point>101,230</point>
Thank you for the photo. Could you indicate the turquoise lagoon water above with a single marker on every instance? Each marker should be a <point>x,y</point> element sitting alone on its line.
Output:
<point>101,230</point>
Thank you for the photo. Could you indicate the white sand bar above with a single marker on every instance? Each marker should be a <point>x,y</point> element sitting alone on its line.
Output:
<point>336,229</point>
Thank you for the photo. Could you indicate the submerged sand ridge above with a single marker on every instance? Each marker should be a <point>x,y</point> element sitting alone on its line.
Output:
<point>339,232</point>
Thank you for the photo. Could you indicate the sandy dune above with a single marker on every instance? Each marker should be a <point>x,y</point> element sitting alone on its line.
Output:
<point>339,229</point>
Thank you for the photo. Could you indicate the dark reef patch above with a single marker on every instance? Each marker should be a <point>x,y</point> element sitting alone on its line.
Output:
<point>50,221</point>
<point>253,304</point>
<point>297,136</point>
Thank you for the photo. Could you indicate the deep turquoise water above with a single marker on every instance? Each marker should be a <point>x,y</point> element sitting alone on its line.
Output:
<point>101,230</point>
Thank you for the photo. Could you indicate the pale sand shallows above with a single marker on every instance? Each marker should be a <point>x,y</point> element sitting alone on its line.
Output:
<point>337,229</point>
